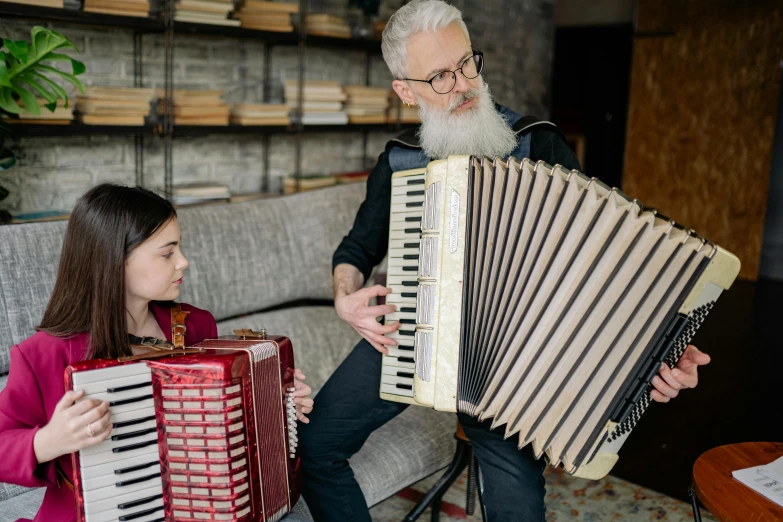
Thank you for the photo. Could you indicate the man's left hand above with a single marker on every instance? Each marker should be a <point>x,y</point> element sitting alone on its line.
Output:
<point>669,382</point>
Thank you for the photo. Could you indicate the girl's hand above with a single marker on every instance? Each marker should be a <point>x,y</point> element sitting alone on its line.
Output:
<point>73,426</point>
<point>304,404</point>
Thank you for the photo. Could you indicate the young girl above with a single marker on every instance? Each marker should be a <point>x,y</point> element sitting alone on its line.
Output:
<point>120,271</point>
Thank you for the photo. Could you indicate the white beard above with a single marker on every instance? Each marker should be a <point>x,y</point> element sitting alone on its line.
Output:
<point>479,131</point>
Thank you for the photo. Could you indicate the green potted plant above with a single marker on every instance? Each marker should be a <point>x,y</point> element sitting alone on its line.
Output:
<point>25,77</point>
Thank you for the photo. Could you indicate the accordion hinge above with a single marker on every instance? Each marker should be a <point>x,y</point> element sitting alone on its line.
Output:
<point>247,333</point>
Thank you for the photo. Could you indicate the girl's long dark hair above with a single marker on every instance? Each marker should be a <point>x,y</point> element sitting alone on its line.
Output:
<point>106,224</point>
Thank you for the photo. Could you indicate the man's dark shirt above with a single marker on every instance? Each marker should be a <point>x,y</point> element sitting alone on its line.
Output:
<point>366,244</point>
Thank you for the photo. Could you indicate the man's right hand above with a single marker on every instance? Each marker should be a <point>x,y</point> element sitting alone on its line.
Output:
<point>355,310</point>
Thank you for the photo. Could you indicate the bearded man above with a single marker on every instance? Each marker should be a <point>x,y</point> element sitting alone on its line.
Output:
<point>427,48</point>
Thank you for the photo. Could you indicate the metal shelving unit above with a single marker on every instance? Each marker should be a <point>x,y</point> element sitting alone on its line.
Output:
<point>166,129</point>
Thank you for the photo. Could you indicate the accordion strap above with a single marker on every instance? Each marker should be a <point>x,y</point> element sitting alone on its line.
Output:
<point>175,347</point>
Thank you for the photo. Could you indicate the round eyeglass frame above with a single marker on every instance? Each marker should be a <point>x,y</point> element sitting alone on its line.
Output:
<point>480,68</point>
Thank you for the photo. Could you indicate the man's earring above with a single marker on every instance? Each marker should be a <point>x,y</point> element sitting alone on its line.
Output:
<point>407,104</point>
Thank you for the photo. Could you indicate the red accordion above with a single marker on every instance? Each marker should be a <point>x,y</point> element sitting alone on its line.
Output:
<point>205,433</point>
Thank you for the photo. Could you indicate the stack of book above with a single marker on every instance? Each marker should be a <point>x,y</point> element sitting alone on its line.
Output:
<point>353,177</point>
<point>407,114</point>
<point>195,107</point>
<point>327,25</point>
<point>267,16</point>
<point>113,105</point>
<point>60,116</point>
<point>323,102</point>
<point>260,114</point>
<point>118,7</point>
<point>193,193</point>
<point>39,3</point>
<point>366,104</point>
<point>305,183</point>
<point>210,12</point>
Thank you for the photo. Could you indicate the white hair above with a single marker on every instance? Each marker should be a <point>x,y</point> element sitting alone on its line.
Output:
<point>418,16</point>
<point>480,130</point>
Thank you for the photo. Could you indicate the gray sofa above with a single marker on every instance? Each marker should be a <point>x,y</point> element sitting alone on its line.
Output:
<point>244,258</point>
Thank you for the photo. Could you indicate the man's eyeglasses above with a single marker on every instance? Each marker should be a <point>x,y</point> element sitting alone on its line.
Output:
<point>444,82</point>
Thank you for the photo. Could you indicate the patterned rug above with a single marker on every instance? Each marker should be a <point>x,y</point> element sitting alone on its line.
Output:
<point>567,498</point>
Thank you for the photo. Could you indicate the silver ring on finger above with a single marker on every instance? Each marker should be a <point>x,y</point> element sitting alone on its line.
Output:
<point>89,430</point>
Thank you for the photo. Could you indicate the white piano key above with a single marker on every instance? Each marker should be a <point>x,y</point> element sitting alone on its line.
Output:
<point>112,491</point>
<point>113,515</point>
<point>403,191</point>
<point>118,396</point>
<point>396,363</point>
<point>406,181</point>
<point>120,462</point>
<point>108,445</point>
<point>148,464</point>
<point>400,247</point>
<point>110,505</point>
<point>413,216</point>
<point>111,373</point>
<point>104,457</point>
<point>396,226</point>
<point>93,388</point>
<point>397,316</point>
<point>395,351</point>
<point>408,206</point>
<point>405,294</point>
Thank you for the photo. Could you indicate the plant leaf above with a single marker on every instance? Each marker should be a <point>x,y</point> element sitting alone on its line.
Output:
<point>59,91</point>
<point>40,89</point>
<point>65,76</point>
<point>17,48</point>
<point>7,102</point>
<point>7,160</point>
<point>4,79</point>
<point>28,99</point>
<point>76,66</point>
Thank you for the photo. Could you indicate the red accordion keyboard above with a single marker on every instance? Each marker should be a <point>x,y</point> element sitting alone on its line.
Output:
<point>199,436</point>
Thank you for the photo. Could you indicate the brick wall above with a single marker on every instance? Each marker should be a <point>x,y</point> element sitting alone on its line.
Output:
<point>516,37</point>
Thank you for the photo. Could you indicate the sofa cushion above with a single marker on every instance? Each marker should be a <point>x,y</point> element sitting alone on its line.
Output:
<point>251,256</point>
<point>321,340</point>
<point>24,505</point>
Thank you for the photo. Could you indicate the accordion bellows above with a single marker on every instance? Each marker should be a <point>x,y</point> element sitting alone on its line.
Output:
<point>546,301</point>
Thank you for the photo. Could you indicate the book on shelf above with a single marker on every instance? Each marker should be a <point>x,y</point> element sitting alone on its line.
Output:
<point>204,18</point>
<point>368,120</point>
<point>60,116</point>
<point>305,183</point>
<point>131,7</point>
<point>271,7</point>
<point>316,106</point>
<point>136,94</point>
<point>204,6</point>
<point>39,3</point>
<point>116,12</point>
<point>250,121</point>
<point>259,114</point>
<point>35,217</point>
<point>95,119</point>
<point>327,25</point>
<point>322,118</point>
<point>202,192</point>
<point>208,111</point>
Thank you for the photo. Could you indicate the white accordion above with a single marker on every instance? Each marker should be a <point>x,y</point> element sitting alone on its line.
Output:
<point>541,299</point>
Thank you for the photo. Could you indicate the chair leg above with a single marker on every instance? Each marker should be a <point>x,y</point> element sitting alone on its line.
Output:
<point>694,505</point>
<point>435,494</point>
<point>470,497</point>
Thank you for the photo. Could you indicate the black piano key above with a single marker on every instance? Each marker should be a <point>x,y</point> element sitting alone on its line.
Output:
<point>414,204</point>
<point>407,375</point>
<point>135,468</point>
<point>410,245</point>
<point>416,181</point>
<point>410,283</point>
<point>407,321</point>
<point>410,256</point>
<point>415,193</point>
<point>129,387</point>
<point>140,502</point>
<point>405,359</point>
<point>140,514</point>
<point>136,480</point>
<point>405,348</point>
<point>408,309</point>
<point>413,231</point>
<point>410,269</point>
<point>132,447</point>
<point>408,294</point>
<point>413,218</point>
<point>409,333</point>
<point>134,434</point>
<point>404,386</point>
<point>131,422</point>
<point>131,400</point>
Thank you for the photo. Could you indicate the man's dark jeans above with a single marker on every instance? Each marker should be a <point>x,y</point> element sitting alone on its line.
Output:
<point>348,409</point>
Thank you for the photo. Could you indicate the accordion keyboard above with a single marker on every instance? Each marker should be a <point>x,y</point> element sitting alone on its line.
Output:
<point>121,477</point>
<point>404,235</point>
